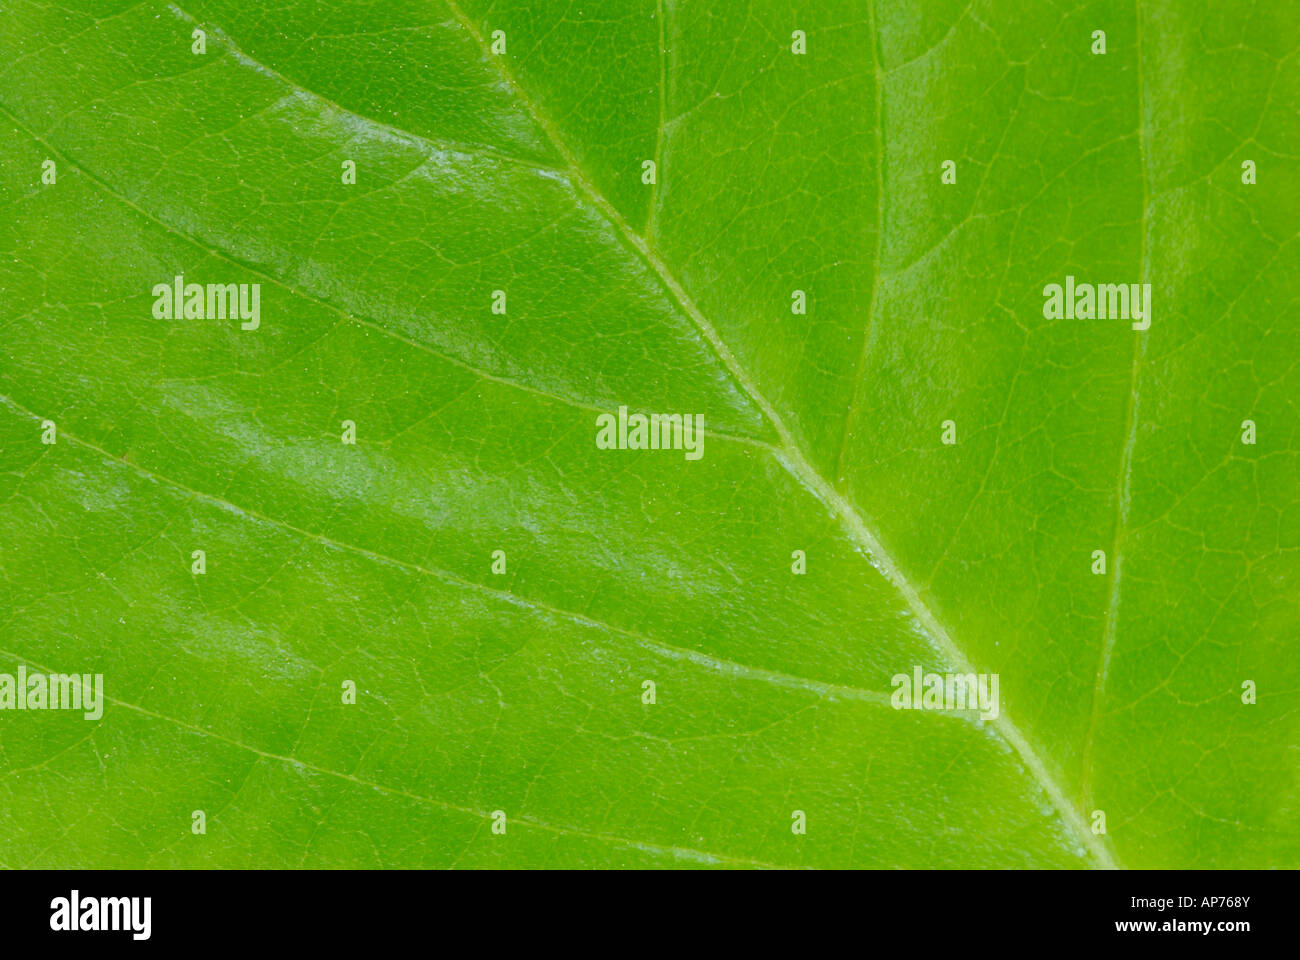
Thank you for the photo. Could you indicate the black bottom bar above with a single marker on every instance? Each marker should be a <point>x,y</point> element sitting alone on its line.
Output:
<point>939,909</point>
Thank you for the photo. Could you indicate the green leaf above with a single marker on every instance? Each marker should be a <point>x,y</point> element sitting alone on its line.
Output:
<point>523,691</point>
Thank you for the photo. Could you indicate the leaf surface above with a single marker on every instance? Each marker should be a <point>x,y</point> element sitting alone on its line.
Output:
<point>522,691</point>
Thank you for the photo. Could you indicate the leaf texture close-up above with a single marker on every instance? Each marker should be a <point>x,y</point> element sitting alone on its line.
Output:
<point>375,570</point>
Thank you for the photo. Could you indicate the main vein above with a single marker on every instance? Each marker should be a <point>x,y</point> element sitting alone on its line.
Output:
<point>791,455</point>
